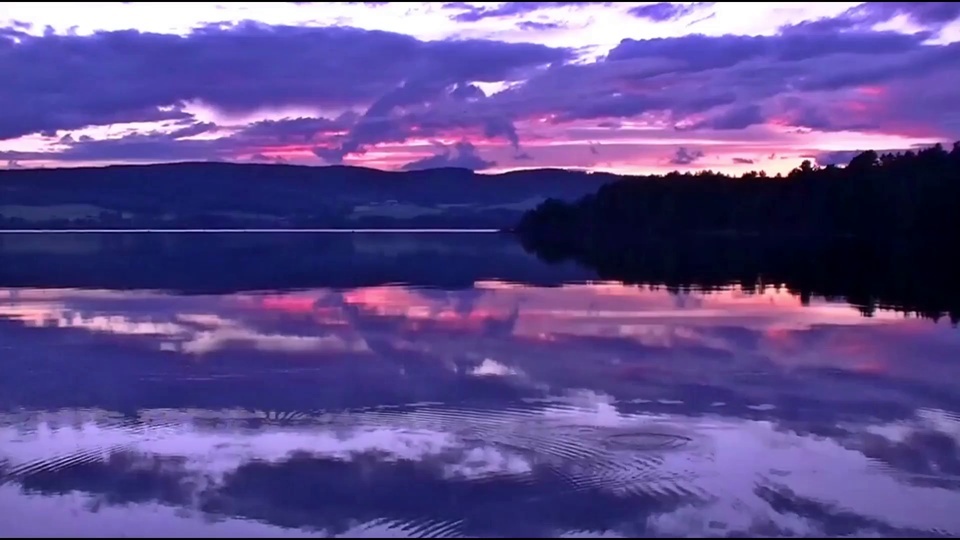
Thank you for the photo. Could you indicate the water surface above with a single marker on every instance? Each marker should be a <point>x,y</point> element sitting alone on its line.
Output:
<point>512,399</point>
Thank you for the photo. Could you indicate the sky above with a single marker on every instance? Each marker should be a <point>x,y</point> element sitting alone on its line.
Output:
<point>624,87</point>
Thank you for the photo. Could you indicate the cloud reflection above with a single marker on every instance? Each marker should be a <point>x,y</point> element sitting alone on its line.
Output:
<point>587,409</point>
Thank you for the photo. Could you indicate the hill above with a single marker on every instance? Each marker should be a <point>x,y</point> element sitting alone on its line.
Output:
<point>228,195</point>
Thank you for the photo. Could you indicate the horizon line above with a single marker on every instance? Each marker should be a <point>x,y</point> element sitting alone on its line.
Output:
<point>493,171</point>
<point>203,231</point>
<point>67,166</point>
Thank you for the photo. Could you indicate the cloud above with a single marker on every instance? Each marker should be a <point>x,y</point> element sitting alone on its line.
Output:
<point>930,14</point>
<point>397,115</point>
<point>177,144</point>
<point>263,158</point>
<point>842,157</point>
<point>462,155</point>
<point>151,146</point>
<point>300,129</point>
<point>538,26</point>
<point>866,80</point>
<point>130,76</point>
<point>684,156</point>
<point>355,89</point>
<point>473,13</point>
<point>837,157</point>
<point>743,161</point>
<point>667,11</point>
<point>735,117</point>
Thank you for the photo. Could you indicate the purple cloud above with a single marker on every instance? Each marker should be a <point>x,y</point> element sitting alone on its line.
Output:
<point>150,146</point>
<point>667,11</point>
<point>684,156</point>
<point>472,13</point>
<point>295,130</point>
<point>733,77</point>
<point>462,155</point>
<point>843,157</point>
<point>931,14</point>
<point>393,119</point>
<point>839,157</point>
<point>385,88</point>
<point>177,145</point>
<point>736,117</point>
<point>536,26</point>
<point>125,76</point>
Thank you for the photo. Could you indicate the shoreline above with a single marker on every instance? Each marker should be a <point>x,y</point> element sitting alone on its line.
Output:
<point>255,231</point>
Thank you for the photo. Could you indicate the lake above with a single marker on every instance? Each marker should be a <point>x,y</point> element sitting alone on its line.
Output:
<point>450,385</point>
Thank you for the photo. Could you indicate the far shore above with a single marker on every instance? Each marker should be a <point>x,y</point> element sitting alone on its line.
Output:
<point>354,231</point>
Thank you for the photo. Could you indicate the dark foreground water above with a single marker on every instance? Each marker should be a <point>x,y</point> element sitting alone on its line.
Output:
<point>487,395</point>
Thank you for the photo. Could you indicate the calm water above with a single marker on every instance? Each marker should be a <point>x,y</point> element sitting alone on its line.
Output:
<point>496,396</point>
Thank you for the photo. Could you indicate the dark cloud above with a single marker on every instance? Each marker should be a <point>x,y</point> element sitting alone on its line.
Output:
<point>839,157</point>
<point>742,161</point>
<point>698,52</point>
<point>393,118</point>
<point>192,130</point>
<point>806,113</point>
<point>150,146</point>
<point>737,117</point>
<point>931,14</point>
<point>693,76</point>
<point>178,144</point>
<point>730,79</point>
<point>290,130</point>
<point>830,75</point>
<point>462,155</point>
<point>540,26</point>
<point>842,157</point>
<point>368,4</point>
<point>667,11</point>
<point>472,13</point>
<point>684,156</point>
<point>127,76</point>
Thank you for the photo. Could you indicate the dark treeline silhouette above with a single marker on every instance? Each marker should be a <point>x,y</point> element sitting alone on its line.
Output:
<point>879,232</point>
<point>247,195</point>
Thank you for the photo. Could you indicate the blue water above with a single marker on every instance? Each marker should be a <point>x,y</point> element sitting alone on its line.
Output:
<point>534,403</point>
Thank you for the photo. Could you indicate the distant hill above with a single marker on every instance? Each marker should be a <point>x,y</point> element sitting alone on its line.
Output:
<point>213,195</point>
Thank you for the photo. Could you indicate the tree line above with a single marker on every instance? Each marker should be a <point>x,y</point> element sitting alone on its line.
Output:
<point>879,231</point>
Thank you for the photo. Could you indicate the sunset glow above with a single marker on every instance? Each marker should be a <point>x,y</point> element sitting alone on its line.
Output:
<point>622,87</point>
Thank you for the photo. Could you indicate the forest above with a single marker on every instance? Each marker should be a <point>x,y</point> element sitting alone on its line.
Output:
<point>880,231</point>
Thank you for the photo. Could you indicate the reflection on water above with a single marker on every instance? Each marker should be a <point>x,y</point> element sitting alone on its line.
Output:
<point>497,410</point>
